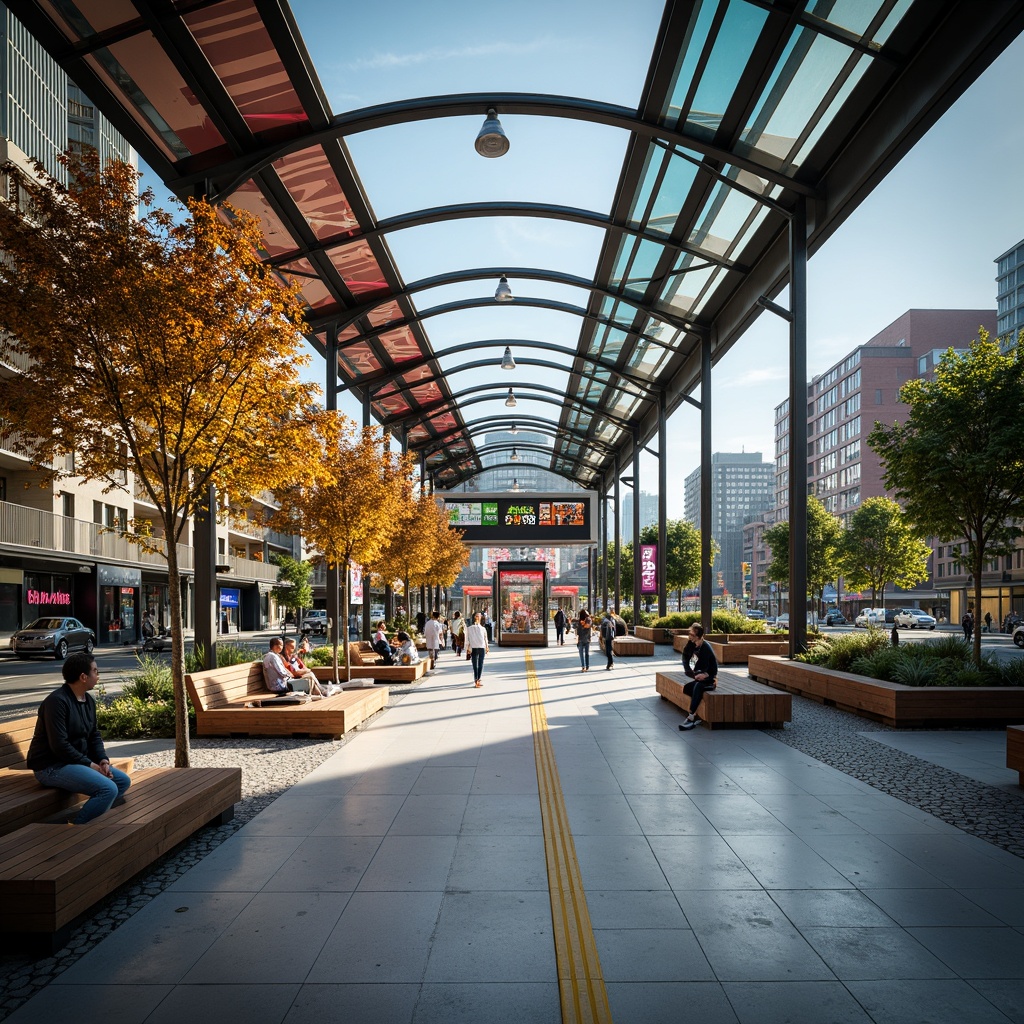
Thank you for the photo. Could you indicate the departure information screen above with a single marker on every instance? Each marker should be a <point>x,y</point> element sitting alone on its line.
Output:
<point>538,519</point>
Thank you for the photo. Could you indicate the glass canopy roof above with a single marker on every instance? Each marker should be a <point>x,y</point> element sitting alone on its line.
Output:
<point>642,210</point>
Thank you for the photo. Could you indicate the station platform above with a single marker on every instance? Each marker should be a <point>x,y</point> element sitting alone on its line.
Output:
<point>552,848</point>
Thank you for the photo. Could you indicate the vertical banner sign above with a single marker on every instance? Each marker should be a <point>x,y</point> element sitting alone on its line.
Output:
<point>648,568</point>
<point>355,580</point>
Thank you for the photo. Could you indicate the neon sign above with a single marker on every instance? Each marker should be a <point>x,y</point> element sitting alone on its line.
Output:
<point>61,597</point>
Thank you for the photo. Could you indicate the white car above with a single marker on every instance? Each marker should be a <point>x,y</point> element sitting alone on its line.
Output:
<point>315,621</point>
<point>914,617</point>
<point>870,617</point>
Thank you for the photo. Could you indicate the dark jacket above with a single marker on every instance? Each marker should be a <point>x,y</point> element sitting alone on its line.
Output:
<point>706,660</point>
<point>560,620</point>
<point>66,732</point>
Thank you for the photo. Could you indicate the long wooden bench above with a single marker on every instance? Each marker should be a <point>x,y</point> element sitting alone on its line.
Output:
<point>892,703</point>
<point>632,647</point>
<point>22,799</point>
<point>368,664</point>
<point>52,874</point>
<point>222,699</point>
<point>1015,750</point>
<point>681,637</point>
<point>734,702</point>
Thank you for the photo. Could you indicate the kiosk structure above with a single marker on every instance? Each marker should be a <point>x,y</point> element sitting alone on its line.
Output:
<point>521,604</point>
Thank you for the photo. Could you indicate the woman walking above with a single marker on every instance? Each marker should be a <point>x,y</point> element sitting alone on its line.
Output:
<point>476,638</point>
<point>583,639</point>
<point>458,631</point>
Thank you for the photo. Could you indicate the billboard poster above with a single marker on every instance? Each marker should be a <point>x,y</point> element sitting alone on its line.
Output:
<point>648,568</point>
<point>355,583</point>
<point>545,520</point>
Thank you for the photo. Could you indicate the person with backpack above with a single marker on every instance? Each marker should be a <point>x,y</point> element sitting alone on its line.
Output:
<point>608,636</point>
<point>968,624</point>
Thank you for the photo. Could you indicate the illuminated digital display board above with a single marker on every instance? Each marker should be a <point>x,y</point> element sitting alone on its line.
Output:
<point>540,519</point>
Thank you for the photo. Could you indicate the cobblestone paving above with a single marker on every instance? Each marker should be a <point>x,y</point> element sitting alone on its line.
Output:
<point>833,737</point>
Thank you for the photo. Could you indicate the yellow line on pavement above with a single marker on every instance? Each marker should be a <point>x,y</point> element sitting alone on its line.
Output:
<point>580,982</point>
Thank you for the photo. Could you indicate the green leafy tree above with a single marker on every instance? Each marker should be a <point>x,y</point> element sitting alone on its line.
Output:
<point>956,464</point>
<point>824,533</point>
<point>880,546</point>
<point>294,590</point>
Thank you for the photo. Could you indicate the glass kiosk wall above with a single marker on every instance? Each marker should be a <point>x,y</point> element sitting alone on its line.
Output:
<point>521,604</point>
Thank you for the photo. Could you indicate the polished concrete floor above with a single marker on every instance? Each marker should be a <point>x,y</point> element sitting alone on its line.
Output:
<point>729,877</point>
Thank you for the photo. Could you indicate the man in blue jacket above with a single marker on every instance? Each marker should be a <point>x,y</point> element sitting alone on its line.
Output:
<point>67,749</point>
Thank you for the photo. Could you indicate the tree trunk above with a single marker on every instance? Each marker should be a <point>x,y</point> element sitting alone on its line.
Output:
<point>976,634</point>
<point>181,738</point>
<point>345,614</point>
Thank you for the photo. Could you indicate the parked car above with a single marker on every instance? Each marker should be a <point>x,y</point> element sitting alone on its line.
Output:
<point>783,619</point>
<point>871,617</point>
<point>755,613</point>
<point>914,617</point>
<point>315,621</point>
<point>834,617</point>
<point>1011,622</point>
<point>53,636</point>
<point>1018,635</point>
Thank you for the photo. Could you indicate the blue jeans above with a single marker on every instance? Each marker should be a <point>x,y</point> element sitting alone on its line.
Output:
<point>80,778</point>
<point>477,657</point>
<point>584,654</point>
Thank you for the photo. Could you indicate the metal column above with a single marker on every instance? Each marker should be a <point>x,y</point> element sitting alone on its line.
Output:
<point>335,630</point>
<point>205,534</point>
<point>705,482</point>
<point>618,547</point>
<point>603,506</point>
<point>662,505</point>
<point>798,429</point>
<point>636,529</point>
<point>367,626</point>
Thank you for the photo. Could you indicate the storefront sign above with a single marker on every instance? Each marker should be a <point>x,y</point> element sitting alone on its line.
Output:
<point>648,568</point>
<point>229,598</point>
<point>57,597</point>
<point>118,576</point>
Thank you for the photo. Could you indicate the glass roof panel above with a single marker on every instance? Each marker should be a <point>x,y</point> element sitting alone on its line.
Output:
<point>276,237</point>
<point>722,218</point>
<point>401,344</point>
<point>688,60</point>
<point>679,177</point>
<point>359,268</point>
<point>359,359</point>
<point>729,55</point>
<point>854,74</point>
<point>313,185</point>
<point>790,101</point>
<point>857,16</point>
<point>237,44</point>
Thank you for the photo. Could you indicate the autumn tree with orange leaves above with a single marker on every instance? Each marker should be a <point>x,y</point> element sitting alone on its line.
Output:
<point>352,500</point>
<point>427,552</point>
<point>155,342</point>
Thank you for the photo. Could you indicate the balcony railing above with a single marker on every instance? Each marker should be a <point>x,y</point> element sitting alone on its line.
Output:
<point>252,569</point>
<point>33,528</point>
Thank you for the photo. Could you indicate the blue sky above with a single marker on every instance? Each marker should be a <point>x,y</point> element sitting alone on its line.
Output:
<point>927,237</point>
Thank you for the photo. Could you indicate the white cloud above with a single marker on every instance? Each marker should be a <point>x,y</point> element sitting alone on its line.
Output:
<point>386,61</point>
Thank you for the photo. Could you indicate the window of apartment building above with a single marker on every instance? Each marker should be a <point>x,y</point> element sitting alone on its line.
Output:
<point>3,488</point>
<point>878,396</point>
<point>110,516</point>
<point>67,504</point>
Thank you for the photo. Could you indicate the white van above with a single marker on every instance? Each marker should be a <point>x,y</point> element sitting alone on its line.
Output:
<point>870,617</point>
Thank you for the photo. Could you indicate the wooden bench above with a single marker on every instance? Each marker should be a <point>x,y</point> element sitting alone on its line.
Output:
<point>892,703</point>
<point>632,647</point>
<point>1015,750</point>
<point>368,664</point>
<point>22,799</point>
<point>656,634</point>
<point>735,701</point>
<point>52,874</point>
<point>679,641</point>
<point>221,695</point>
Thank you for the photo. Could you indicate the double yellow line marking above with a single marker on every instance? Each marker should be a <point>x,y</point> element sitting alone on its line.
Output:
<point>580,982</point>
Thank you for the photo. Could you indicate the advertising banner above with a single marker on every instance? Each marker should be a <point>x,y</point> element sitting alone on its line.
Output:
<point>355,583</point>
<point>648,568</point>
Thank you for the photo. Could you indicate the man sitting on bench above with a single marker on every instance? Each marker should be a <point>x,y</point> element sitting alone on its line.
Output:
<point>275,674</point>
<point>298,668</point>
<point>67,749</point>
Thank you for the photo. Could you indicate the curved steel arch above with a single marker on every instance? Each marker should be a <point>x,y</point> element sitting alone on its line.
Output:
<point>521,273</point>
<point>383,115</point>
<point>646,390</point>
<point>318,323</point>
<point>463,211</point>
<point>425,413</point>
<point>462,477</point>
<point>489,423</point>
<point>550,453</point>
<point>372,382</point>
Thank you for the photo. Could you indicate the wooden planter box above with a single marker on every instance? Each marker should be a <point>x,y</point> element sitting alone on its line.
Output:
<point>737,652</point>
<point>892,703</point>
<point>656,634</point>
<point>679,642</point>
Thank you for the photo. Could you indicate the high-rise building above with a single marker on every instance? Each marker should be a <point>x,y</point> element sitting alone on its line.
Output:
<point>742,485</point>
<point>649,506</point>
<point>1010,294</point>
